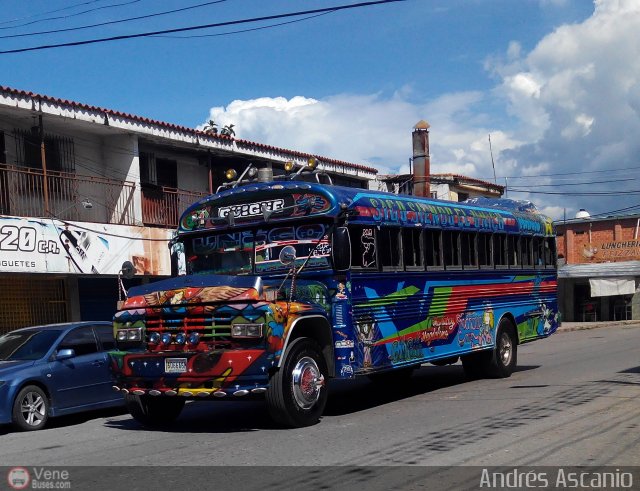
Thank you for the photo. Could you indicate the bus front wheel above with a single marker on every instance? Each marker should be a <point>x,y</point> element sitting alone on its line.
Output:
<point>297,392</point>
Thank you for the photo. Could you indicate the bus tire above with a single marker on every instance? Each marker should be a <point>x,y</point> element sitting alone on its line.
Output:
<point>297,392</point>
<point>154,412</point>
<point>504,357</point>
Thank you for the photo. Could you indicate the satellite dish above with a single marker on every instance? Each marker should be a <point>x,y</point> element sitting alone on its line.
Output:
<point>128,270</point>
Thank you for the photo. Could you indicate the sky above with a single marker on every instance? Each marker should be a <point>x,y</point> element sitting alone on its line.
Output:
<point>555,83</point>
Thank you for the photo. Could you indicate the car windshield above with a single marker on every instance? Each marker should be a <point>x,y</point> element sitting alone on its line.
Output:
<point>27,345</point>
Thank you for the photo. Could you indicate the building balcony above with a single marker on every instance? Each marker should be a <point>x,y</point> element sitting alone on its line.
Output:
<point>24,192</point>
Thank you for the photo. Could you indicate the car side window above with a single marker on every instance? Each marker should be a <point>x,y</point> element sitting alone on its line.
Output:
<point>105,335</point>
<point>82,341</point>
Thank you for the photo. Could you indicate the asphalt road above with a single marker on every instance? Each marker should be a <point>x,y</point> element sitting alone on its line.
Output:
<point>574,400</point>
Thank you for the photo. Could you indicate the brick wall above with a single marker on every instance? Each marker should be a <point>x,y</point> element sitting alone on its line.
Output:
<point>576,239</point>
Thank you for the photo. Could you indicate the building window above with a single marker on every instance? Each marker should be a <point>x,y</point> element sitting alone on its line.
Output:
<point>59,151</point>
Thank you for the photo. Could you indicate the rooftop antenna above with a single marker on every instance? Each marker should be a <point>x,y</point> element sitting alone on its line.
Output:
<point>492,163</point>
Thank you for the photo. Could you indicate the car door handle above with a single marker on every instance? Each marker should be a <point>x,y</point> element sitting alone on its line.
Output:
<point>98,363</point>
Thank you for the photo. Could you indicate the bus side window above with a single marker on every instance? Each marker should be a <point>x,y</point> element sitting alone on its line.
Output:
<point>525,251</point>
<point>538,252</point>
<point>485,250</point>
<point>363,247</point>
<point>550,259</point>
<point>468,249</point>
<point>512,251</point>
<point>500,258</point>
<point>389,250</point>
<point>451,249</point>
<point>412,247</point>
<point>433,249</point>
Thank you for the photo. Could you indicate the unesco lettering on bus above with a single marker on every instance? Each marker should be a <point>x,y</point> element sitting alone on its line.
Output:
<point>250,209</point>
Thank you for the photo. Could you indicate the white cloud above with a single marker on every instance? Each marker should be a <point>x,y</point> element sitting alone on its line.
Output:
<point>573,105</point>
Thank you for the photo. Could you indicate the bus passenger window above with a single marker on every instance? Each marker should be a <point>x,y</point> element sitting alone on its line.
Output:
<point>363,247</point>
<point>500,251</point>
<point>538,252</point>
<point>512,251</point>
<point>451,249</point>
<point>389,240</point>
<point>485,250</point>
<point>525,251</point>
<point>550,252</point>
<point>433,248</point>
<point>412,248</point>
<point>468,249</point>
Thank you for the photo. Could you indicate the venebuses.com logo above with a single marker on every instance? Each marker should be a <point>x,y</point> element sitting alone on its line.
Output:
<point>18,478</point>
<point>38,478</point>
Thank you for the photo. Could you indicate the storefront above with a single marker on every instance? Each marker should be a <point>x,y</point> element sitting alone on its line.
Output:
<point>54,271</point>
<point>599,273</point>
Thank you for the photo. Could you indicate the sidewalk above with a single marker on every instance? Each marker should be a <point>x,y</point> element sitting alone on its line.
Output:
<point>578,326</point>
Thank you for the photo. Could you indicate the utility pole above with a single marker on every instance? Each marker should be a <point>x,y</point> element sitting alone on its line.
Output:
<point>492,164</point>
<point>43,159</point>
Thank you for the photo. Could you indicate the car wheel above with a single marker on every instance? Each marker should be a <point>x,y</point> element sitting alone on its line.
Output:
<point>297,393</point>
<point>152,411</point>
<point>31,409</point>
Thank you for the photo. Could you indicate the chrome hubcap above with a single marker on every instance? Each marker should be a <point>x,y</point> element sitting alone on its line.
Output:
<point>32,409</point>
<point>505,349</point>
<point>307,381</point>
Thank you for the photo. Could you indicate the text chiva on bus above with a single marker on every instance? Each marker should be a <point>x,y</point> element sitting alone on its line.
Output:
<point>281,284</point>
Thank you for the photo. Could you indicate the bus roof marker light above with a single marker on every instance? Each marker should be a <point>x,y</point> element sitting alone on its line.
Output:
<point>288,166</point>
<point>230,174</point>
<point>312,163</point>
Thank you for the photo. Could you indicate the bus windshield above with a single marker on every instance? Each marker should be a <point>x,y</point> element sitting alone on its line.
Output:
<point>258,251</point>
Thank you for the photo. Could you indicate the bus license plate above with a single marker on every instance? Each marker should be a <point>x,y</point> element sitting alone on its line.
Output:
<point>175,365</point>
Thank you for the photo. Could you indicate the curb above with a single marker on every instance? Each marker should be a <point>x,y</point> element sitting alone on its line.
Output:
<point>583,326</point>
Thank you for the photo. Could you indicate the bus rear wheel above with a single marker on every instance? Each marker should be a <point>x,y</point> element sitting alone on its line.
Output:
<point>153,411</point>
<point>297,392</point>
<point>498,362</point>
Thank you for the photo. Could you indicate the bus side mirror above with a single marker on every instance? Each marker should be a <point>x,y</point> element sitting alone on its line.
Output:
<point>341,249</point>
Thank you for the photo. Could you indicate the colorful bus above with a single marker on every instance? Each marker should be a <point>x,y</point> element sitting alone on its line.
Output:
<point>290,283</point>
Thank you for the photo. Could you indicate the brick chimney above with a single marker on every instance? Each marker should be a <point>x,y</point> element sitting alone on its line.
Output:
<point>421,160</point>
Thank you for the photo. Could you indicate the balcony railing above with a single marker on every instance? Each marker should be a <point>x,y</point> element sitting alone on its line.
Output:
<point>114,201</point>
<point>162,206</point>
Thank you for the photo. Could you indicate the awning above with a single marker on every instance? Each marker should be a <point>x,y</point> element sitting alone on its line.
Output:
<point>606,287</point>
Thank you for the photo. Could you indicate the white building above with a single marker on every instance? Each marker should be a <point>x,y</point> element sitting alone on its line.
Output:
<point>83,188</point>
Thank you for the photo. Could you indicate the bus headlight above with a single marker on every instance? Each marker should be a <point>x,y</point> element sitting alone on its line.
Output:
<point>130,334</point>
<point>246,330</point>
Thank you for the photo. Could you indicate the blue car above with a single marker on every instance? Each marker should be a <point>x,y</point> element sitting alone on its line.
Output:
<point>53,370</point>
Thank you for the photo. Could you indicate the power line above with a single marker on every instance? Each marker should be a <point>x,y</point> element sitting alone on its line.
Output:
<point>66,16</point>
<point>90,26</point>
<point>49,12</point>
<point>585,193</point>
<point>569,173</point>
<point>202,26</point>
<point>248,30</point>
<point>584,183</point>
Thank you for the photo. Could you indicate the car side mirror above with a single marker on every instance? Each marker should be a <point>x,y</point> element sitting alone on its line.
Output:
<point>341,249</point>
<point>65,354</point>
